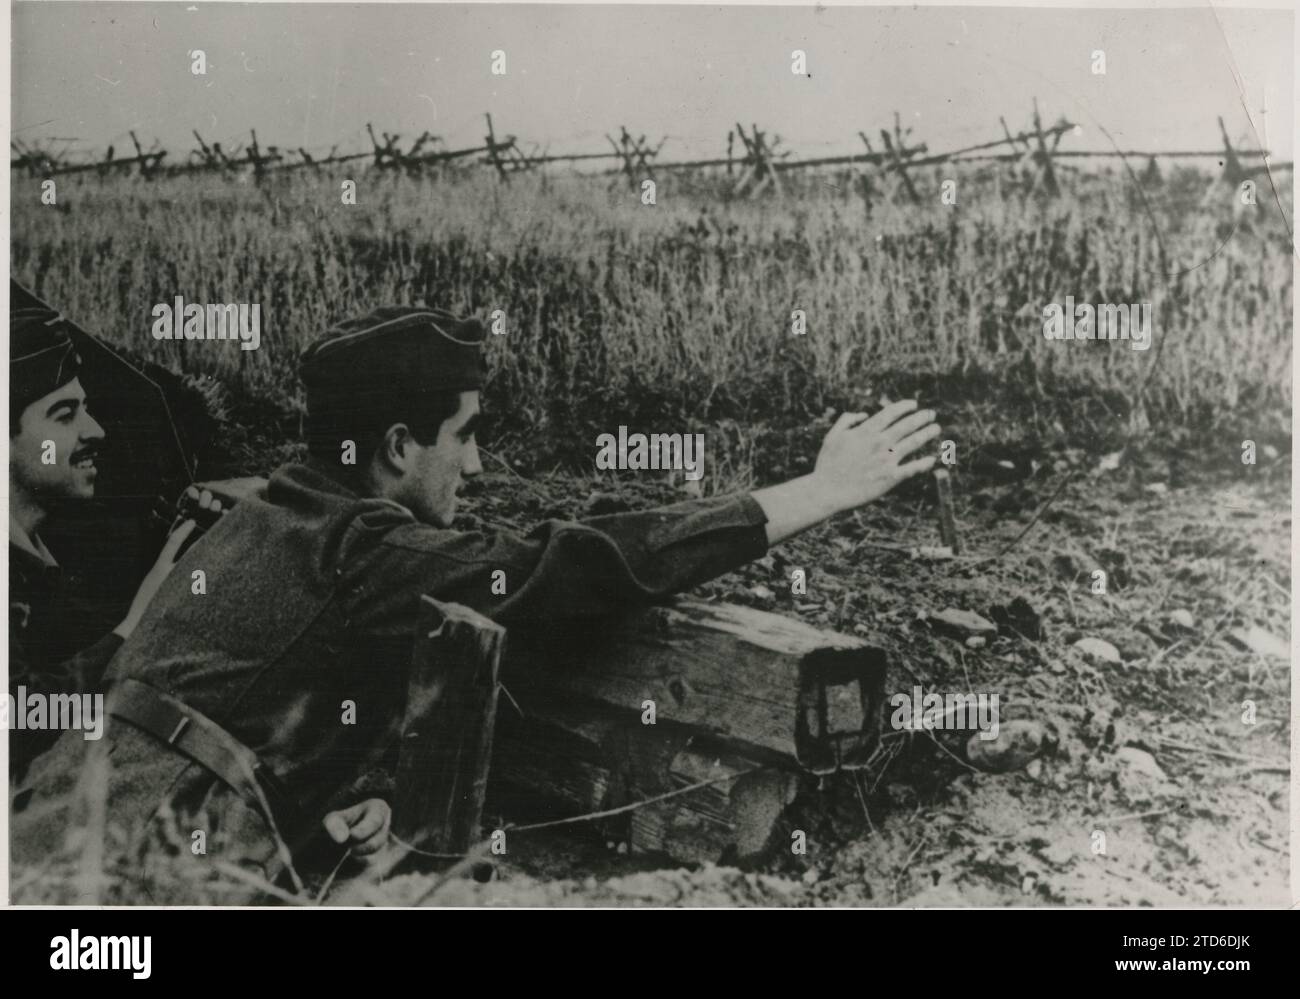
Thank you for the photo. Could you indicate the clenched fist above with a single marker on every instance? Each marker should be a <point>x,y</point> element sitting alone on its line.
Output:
<point>363,827</point>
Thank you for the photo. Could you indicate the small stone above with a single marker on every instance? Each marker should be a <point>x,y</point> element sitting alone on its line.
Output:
<point>1100,650</point>
<point>1065,566</point>
<point>1035,768</point>
<point>1016,744</point>
<point>600,503</point>
<point>1019,618</point>
<point>963,622</point>
<point>976,642</point>
<point>1133,645</point>
<point>1261,642</point>
<point>1157,488</point>
<point>762,592</point>
<point>1182,618</point>
<point>1139,762</point>
<point>811,876</point>
<point>934,552</point>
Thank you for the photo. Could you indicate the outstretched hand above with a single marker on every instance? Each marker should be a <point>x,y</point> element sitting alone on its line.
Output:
<point>861,456</point>
<point>861,459</point>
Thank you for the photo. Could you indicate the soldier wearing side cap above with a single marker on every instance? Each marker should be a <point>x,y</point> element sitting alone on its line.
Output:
<point>54,442</point>
<point>314,590</point>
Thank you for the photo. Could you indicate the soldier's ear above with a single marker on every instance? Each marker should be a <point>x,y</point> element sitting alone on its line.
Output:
<point>395,448</point>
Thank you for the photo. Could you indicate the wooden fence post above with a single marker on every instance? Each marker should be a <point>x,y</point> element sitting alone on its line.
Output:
<point>205,153</point>
<point>1232,171</point>
<point>621,152</point>
<point>386,156</point>
<point>147,162</point>
<point>899,167</point>
<point>749,161</point>
<point>758,162</point>
<point>1044,157</point>
<point>493,157</point>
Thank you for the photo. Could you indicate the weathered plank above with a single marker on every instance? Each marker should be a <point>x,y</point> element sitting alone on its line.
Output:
<point>742,697</point>
<point>730,674</point>
<point>446,737</point>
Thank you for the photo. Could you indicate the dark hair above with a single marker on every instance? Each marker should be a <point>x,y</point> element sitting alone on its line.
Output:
<point>18,405</point>
<point>366,423</point>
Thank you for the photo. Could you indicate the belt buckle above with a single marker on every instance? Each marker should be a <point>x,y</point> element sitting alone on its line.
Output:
<point>181,726</point>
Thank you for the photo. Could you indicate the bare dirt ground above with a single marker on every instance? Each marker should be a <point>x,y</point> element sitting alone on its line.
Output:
<point>1131,782</point>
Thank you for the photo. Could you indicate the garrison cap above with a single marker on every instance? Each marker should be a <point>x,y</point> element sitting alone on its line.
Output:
<point>42,356</point>
<point>394,356</point>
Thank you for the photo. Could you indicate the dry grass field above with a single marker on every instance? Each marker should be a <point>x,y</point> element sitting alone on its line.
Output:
<point>682,310</point>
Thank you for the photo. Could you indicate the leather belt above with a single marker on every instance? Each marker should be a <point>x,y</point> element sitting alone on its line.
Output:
<point>193,734</point>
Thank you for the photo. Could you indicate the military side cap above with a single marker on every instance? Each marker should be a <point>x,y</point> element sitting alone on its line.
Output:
<point>42,356</point>
<point>399,350</point>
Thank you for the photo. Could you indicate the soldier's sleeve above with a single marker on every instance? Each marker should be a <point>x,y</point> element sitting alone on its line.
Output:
<point>573,569</point>
<point>88,666</point>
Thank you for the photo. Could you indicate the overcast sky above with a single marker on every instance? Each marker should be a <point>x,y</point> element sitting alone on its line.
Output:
<point>307,75</point>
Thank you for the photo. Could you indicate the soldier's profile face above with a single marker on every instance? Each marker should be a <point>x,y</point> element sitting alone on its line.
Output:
<point>440,469</point>
<point>53,454</point>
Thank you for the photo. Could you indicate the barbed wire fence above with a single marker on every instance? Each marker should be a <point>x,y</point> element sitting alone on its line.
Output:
<point>754,160</point>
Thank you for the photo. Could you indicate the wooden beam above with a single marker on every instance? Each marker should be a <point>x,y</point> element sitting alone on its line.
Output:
<point>446,736</point>
<point>753,701</point>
